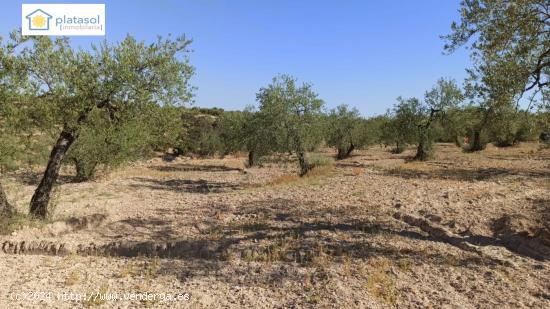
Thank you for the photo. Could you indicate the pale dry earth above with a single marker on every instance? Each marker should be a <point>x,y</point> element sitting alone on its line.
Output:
<point>260,238</point>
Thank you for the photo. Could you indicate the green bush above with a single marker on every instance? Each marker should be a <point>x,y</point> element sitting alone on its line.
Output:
<point>318,160</point>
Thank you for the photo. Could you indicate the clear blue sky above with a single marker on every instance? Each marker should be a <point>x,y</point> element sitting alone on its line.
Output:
<point>362,53</point>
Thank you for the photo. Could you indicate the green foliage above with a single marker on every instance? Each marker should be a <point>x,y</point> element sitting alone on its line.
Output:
<point>373,130</point>
<point>512,36</point>
<point>400,129</point>
<point>317,160</point>
<point>345,130</point>
<point>417,122</point>
<point>510,43</point>
<point>291,113</point>
<point>111,142</point>
<point>231,130</point>
<point>444,96</point>
<point>509,126</point>
<point>69,85</point>
<point>200,133</point>
<point>260,135</point>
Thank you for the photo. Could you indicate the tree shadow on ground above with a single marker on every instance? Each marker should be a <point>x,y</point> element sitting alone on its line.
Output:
<point>283,230</point>
<point>528,236</point>
<point>184,167</point>
<point>145,228</point>
<point>32,178</point>
<point>185,185</point>
<point>463,174</point>
<point>314,219</point>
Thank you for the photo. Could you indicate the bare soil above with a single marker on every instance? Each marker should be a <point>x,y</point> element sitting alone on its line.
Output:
<point>464,230</point>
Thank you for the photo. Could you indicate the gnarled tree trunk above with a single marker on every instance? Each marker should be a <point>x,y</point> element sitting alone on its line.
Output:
<point>422,154</point>
<point>425,143</point>
<point>6,208</point>
<point>304,165</point>
<point>345,153</point>
<point>84,170</point>
<point>251,159</point>
<point>477,145</point>
<point>41,197</point>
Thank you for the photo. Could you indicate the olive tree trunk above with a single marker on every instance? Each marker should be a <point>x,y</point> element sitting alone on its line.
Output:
<point>399,147</point>
<point>477,144</point>
<point>422,151</point>
<point>5,207</point>
<point>425,142</point>
<point>41,197</point>
<point>84,170</point>
<point>251,159</point>
<point>345,153</point>
<point>304,165</point>
<point>458,142</point>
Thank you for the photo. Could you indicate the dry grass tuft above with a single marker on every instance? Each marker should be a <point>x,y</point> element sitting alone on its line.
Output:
<point>405,264</point>
<point>9,224</point>
<point>146,268</point>
<point>357,171</point>
<point>283,179</point>
<point>97,297</point>
<point>380,283</point>
<point>73,278</point>
<point>311,178</point>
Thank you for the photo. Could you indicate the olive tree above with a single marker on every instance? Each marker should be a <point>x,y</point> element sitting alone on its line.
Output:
<point>200,134</point>
<point>515,33</point>
<point>510,43</point>
<point>6,151</point>
<point>445,95</point>
<point>345,130</point>
<point>107,77</point>
<point>230,128</point>
<point>400,128</point>
<point>111,142</point>
<point>291,113</point>
<point>261,135</point>
<point>11,120</point>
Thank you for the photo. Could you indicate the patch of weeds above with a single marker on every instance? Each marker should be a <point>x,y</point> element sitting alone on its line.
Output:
<point>347,266</point>
<point>96,298</point>
<point>319,171</point>
<point>73,278</point>
<point>283,179</point>
<point>17,221</point>
<point>146,268</point>
<point>107,195</point>
<point>272,253</point>
<point>380,283</point>
<point>320,259</point>
<point>253,226</point>
<point>452,260</point>
<point>316,161</point>
<point>215,233</point>
<point>312,177</point>
<point>405,264</point>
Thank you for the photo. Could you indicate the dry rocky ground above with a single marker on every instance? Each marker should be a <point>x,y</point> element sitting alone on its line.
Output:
<point>373,231</point>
